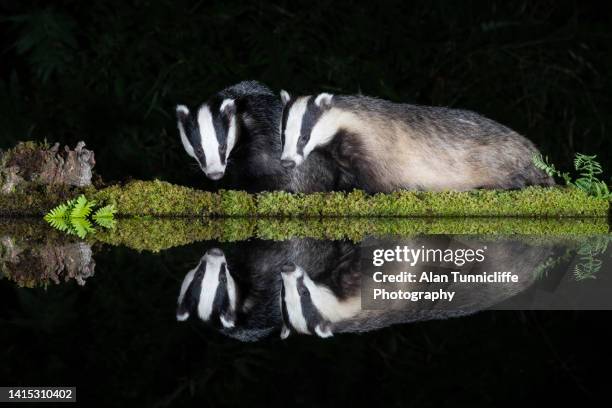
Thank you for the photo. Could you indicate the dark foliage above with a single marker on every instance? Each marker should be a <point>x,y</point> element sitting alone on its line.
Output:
<point>111,72</point>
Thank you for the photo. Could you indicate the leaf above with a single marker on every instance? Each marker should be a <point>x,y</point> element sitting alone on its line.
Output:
<point>104,216</point>
<point>108,211</point>
<point>59,224</point>
<point>82,207</point>
<point>61,211</point>
<point>81,227</point>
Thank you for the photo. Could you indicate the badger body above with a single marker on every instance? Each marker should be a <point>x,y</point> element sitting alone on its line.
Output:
<point>388,146</point>
<point>235,135</point>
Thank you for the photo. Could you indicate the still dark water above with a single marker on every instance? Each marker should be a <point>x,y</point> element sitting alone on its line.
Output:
<point>104,319</point>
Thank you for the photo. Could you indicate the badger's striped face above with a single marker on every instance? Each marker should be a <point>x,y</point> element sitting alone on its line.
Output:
<point>301,128</point>
<point>210,289</point>
<point>209,135</point>
<point>303,302</point>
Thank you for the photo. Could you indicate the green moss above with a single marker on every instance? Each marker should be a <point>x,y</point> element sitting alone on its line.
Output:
<point>157,234</point>
<point>158,198</point>
<point>356,229</point>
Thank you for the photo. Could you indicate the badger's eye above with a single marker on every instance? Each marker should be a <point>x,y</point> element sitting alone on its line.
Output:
<point>304,292</point>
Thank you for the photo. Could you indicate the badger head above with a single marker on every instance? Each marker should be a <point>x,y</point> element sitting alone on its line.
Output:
<point>209,134</point>
<point>304,303</point>
<point>211,290</point>
<point>302,128</point>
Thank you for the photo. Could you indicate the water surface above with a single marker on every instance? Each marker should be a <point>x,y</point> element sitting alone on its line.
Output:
<point>103,317</point>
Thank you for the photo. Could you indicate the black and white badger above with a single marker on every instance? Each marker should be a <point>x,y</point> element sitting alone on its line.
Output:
<point>321,290</point>
<point>326,302</point>
<point>210,289</point>
<point>388,146</point>
<point>236,291</point>
<point>237,132</point>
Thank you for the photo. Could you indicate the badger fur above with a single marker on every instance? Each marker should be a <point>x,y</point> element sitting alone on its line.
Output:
<point>387,146</point>
<point>210,289</point>
<point>245,309</point>
<point>235,134</point>
<point>330,301</point>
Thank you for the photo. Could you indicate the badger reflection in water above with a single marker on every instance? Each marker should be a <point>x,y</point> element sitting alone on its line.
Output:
<point>237,291</point>
<point>331,302</point>
<point>307,286</point>
<point>239,302</point>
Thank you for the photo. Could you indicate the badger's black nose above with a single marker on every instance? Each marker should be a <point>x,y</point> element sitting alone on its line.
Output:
<point>215,176</point>
<point>288,267</point>
<point>215,252</point>
<point>288,164</point>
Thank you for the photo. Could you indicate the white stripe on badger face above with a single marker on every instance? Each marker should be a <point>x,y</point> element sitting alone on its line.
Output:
<point>210,283</point>
<point>231,134</point>
<point>323,299</point>
<point>293,129</point>
<point>186,144</point>
<point>293,302</point>
<point>324,130</point>
<point>209,142</point>
<point>328,305</point>
<point>184,286</point>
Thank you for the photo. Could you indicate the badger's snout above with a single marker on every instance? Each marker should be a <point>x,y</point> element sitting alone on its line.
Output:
<point>290,270</point>
<point>215,252</point>
<point>288,164</point>
<point>217,175</point>
<point>291,161</point>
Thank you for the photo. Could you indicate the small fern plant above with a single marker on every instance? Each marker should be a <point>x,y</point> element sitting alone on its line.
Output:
<point>589,263</point>
<point>77,217</point>
<point>588,169</point>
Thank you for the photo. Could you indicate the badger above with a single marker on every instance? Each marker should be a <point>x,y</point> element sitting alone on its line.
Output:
<point>235,291</point>
<point>331,302</point>
<point>384,146</point>
<point>235,134</point>
<point>312,301</point>
<point>209,289</point>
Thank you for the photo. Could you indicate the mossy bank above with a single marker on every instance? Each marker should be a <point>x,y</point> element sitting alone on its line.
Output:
<point>162,199</point>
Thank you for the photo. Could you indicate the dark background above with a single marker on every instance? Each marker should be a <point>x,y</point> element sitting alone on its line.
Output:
<point>110,73</point>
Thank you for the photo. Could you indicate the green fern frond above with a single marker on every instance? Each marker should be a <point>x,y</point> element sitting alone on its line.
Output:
<point>81,227</point>
<point>104,216</point>
<point>73,217</point>
<point>59,224</point>
<point>541,162</point>
<point>588,169</point>
<point>82,208</point>
<point>108,211</point>
<point>59,212</point>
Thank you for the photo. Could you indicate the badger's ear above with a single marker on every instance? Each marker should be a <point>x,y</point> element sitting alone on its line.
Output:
<point>324,100</point>
<point>323,329</point>
<point>182,112</point>
<point>228,319</point>
<point>228,107</point>
<point>285,97</point>
<point>285,332</point>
